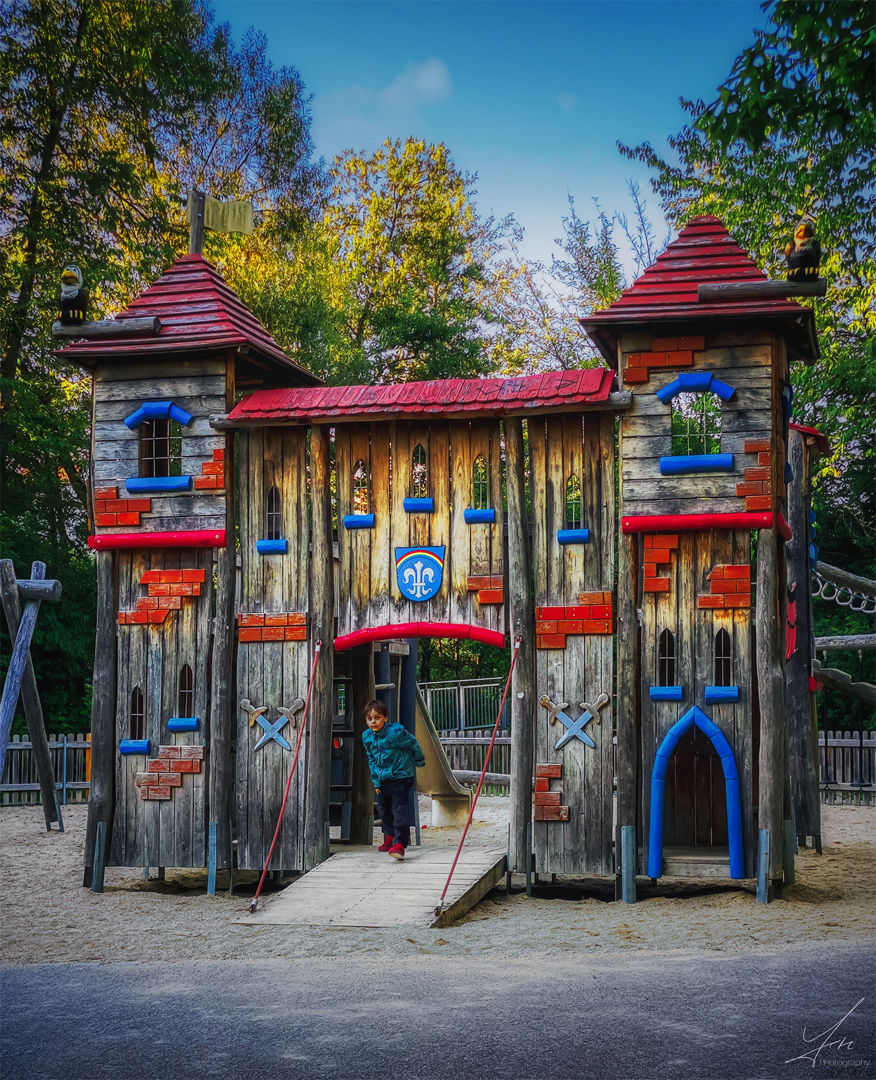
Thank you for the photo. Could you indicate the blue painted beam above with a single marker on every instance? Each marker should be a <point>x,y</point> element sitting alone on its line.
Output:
<point>419,506</point>
<point>158,410</point>
<point>666,693</point>
<point>696,463</point>
<point>183,723</point>
<point>715,695</point>
<point>134,746</point>
<point>479,517</point>
<point>157,485</point>
<point>358,521</point>
<point>696,382</point>
<point>573,536</point>
<point>271,547</point>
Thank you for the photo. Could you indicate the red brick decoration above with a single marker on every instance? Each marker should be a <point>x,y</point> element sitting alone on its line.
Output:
<point>212,473</point>
<point>731,588</point>
<point>593,614</point>
<point>490,590</point>
<point>110,510</point>
<point>666,354</point>
<point>547,803</point>
<point>657,549</point>
<point>757,487</point>
<point>166,590</point>
<point>285,626</point>
<point>165,772</point>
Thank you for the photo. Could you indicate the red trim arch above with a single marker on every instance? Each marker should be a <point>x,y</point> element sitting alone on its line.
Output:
<point>395,631</point>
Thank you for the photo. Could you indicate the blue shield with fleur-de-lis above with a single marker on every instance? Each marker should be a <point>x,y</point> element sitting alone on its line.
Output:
<point>419,571</point>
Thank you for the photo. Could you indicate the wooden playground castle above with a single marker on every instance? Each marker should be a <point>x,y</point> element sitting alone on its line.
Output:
<point>243,512</point>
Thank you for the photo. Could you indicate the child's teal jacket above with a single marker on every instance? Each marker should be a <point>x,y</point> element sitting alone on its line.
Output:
<point>392,753</point>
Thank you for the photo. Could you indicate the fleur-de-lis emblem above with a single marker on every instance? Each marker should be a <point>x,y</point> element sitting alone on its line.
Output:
<point>419,578</point>
<point>419,571</point>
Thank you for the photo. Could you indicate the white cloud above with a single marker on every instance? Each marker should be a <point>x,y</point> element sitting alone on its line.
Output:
<point>567,102</point>
<point>428,83</point>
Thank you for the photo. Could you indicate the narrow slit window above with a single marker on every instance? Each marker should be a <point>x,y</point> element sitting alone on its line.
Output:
<point>274,516</point>
<point>360,488</point>
<point>696,424</point>
<point>137,715</point>
<point>480,484</point>
<point>574,507</point>
<point>666,659</point>
<point>419,473</point>
<point>160,448</point>
<point>723,659</point>
<point>185,705</point>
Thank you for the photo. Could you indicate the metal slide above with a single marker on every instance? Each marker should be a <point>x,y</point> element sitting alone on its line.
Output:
<point>435,778</point>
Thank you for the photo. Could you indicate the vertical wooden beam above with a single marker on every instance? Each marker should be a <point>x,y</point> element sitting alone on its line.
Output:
<point>769,679</point>
<point>103,713</point>
<point>362,678</point>
<point>322,618</point>
<point>627,685</point>
<point>521,623</point>
<point>197,200</point>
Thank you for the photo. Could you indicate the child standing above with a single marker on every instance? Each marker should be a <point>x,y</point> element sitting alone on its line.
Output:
<point>393,755</point>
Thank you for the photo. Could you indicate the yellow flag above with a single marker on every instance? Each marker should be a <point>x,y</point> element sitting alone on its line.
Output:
<point>224,217</point>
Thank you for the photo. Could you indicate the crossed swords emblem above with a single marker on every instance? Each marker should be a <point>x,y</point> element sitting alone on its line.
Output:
<point>272,731</point>
<point>574,728</point>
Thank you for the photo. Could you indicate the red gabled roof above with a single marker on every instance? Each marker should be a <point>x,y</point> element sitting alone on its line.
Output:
<point>198,311</point>
<point>466,398</point>
<point>820,438</point>
<point>704,251</point>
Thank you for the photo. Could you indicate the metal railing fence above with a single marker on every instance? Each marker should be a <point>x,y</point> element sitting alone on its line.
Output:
<point>465,705</point>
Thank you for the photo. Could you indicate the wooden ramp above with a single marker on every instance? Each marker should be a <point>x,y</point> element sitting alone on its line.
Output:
<point>365,887</point>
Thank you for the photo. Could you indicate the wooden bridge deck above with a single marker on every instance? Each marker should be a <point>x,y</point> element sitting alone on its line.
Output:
<point>364,887</point>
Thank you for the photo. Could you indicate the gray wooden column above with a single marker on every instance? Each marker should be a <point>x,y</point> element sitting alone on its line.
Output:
<point>362,678</point>
<point>801,760</point>
<point>627,688</point>
<point>771,694</point>
<point>101,797</point>
<point>521,622</point>
<point>322,618</point>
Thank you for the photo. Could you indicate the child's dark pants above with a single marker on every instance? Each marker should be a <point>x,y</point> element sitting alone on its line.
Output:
<point>392,805</point>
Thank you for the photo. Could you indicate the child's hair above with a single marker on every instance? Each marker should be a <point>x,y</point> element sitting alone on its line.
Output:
<point>378,707</point>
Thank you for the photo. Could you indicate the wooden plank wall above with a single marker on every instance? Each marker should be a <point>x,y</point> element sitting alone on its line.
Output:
<point>743,361</point>
<point>162,832</point>
<point>559,447</point>
<point>199,387</point>
<point>695,808</point>
<point>271,673</point>
<point>368,592</point>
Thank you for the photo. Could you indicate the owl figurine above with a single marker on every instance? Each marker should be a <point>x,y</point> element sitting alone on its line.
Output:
<point>72,297</point>
<point>803,254</point>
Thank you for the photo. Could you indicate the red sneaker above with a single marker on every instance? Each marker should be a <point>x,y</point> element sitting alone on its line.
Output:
<point>388,841</point>
<point>397,852</point>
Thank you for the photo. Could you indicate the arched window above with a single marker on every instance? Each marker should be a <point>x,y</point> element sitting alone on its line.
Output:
<point>696,424</point>
<point>137,715</point>
<point>419,473</point>
<point>274,516</point>
<point>480,484</point>
<point>185,705</point>
<point>574,506</point>
<point>160,448</point>
<point>666,659</point>
<point>360,488</point>
<point>723,659</point>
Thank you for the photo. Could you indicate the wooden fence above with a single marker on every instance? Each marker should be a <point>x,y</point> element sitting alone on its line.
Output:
<point>71,760</point>
<point>848,767</point>
<point>466,752</point>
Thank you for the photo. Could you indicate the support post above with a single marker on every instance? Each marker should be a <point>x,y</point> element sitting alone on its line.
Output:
<point>521,623</point>
<point>30,698</point>
<point>627,690</point>
<point>763,866</point>
<point>769,679</point>
<point>322,608</point>
<point>362,679</point>
<point>788,869</point>
<point>628,863</point>
<point>407,717</point>
<point>103,716</point>
<point>100,858</point>
<point>16,669</point>
<point>211,861</point>
<point>197,201</point>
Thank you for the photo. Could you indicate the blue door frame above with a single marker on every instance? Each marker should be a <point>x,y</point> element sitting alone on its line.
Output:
<point>731,783</point>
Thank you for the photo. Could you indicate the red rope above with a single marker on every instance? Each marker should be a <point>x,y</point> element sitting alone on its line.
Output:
<point>474,802</point>
<point>316,653</point>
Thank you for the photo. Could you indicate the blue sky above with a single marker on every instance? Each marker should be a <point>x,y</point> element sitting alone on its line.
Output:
<point>530,96</point>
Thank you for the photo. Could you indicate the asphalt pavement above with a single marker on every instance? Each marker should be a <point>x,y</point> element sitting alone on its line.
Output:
<point>805,1013</point>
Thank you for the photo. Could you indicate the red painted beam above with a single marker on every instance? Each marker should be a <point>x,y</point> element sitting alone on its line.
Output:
<point>785,530</point>
<point>200,538</point>
<point>689,522</point>
<point>418,630</point>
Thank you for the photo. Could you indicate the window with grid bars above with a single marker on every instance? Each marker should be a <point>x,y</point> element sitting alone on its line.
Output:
<point>723,659</point>
<point>274,516</point>
<point>574,503</point>
<point>160,448</point>
<point>419,473</point>
<point>185,705</point>
<point>480,484</point>
<point>360,488</point>
<point>137,715</point>
<point>696,424</point>
<point>666,659</point>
